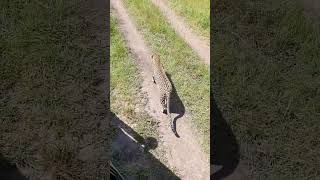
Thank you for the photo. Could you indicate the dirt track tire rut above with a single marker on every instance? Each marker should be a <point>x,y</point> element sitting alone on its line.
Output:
<point>196,42</point>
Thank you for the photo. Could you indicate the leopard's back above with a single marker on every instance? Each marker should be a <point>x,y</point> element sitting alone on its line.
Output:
<point>162,80</point>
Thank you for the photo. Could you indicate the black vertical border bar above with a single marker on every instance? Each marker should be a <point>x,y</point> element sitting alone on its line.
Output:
<point>108,118</point>
<point>107,88</point>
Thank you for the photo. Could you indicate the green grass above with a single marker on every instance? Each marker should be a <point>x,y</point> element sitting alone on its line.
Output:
<point>51,105</point>
<point>189,75</point>
<point>267,66</point>
<point>125,100</point>
<point>196,13</point>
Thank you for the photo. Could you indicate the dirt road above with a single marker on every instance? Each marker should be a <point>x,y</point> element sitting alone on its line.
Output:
<point>184,154</point>
<point>196,42</point>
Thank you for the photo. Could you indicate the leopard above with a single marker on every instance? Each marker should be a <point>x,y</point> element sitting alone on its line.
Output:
<point>164,85</point>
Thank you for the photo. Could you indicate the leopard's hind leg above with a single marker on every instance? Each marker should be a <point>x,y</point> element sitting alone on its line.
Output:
<point>163,101</point>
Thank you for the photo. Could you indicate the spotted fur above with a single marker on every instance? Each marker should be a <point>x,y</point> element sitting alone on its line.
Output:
<point>164,85</point>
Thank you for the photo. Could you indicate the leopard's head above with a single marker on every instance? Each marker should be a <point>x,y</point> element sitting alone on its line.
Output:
<point>155,58</point>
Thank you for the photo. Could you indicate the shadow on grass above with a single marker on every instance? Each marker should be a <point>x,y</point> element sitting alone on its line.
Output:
<point>176,103</point>
<point>9,171</point>
<point>224,146</point>
<point>133,160</point>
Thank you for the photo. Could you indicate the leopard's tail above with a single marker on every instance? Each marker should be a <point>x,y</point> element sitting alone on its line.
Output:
<point>172,124</point>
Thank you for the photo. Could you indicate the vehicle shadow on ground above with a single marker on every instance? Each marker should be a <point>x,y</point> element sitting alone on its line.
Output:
<point>177,106</point>
<point>133,160</point>
<point>9,171</point>
<point>224,147</point>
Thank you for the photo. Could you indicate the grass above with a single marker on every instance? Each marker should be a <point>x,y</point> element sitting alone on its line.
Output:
<point>196,13</point>
<point>51,107</point>
<point>189,75</point>
<point>126,99</point>
<point>266,82</point>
